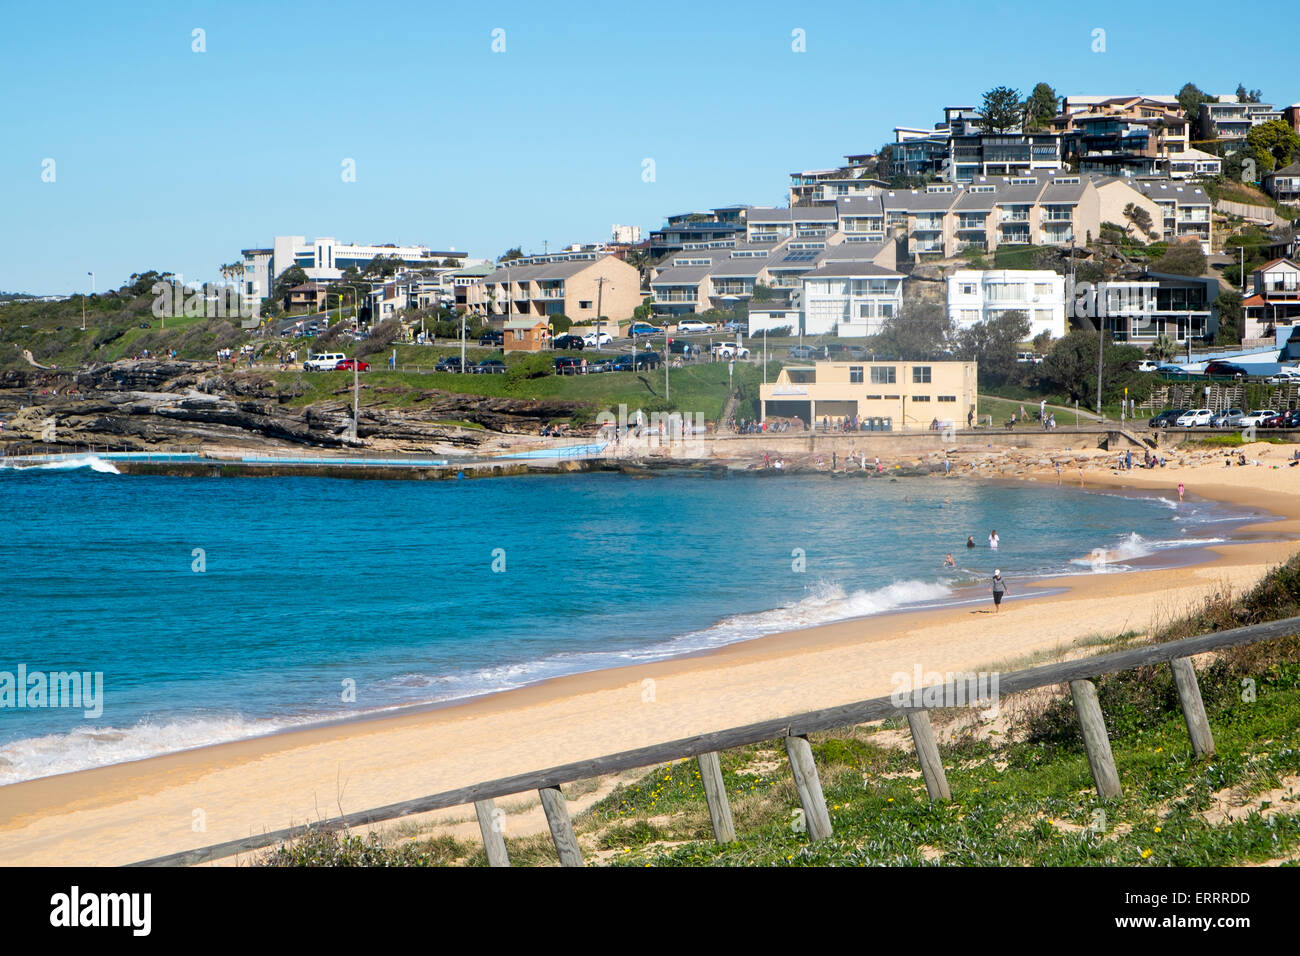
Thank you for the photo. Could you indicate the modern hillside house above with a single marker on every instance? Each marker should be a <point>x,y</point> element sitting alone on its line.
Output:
<point>961,149</point>
<point>1123,136</point>
<point>1138,311</point>
<point>1284,184</point>
<point>911,395</point>
<point>579,285</point>
<point>978,295</point>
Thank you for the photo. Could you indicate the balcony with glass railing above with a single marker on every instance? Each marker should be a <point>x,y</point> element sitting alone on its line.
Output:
<point>674,295</point>
<point>1057,233</point>
<point>928,224</point>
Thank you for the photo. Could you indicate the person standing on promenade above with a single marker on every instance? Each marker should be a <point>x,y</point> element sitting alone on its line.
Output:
<point>999,589</point>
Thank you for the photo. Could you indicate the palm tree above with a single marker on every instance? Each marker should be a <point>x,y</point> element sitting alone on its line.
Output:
<point>1163,348</point>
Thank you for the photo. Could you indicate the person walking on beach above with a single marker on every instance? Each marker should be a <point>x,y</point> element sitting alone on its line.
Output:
<point>999,589</point>
<point>1180,491</point>
<point>993,539</point>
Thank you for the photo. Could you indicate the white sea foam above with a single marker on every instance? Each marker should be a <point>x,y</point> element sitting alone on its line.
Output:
<point>93,462</point>
<point>96,745</point>
<point>1131,546</point>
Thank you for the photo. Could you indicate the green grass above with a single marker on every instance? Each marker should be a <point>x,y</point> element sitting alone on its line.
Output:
<point>1003,408</point>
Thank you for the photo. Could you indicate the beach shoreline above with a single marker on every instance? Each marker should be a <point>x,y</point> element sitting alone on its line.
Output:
<point>130,811</point>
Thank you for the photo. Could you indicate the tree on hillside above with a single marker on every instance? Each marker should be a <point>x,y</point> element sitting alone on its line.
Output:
<point>1228,305</point>
<point>993,344</point>
<point>510,255</point>
<point>1181,258</point>
<point>1190,98</point>
<point>920,331</point>
<point>1071,369</point>
<point>1273,143</point>
<point>1002,110</point>
<point>286,280</point>
<point>1041,106</point>
<point>1138,218</point>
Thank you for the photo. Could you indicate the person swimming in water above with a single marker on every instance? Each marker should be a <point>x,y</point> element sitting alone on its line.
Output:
<point>970,541</point>
<point>948,562</point>
<point>993,539</point>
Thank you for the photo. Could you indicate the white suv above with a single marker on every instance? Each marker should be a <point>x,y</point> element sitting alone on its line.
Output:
<point>323,362</point>
<point>730,350</point>
<point>695,325</point>
<point>1195,418</point>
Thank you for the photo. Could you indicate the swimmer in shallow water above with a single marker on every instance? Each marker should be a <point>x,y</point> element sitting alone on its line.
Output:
<point>970,541</point>
<point>948,562</point>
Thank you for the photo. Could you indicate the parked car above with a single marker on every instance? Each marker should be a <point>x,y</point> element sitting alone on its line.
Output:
<point>645,360</point>
<point>1255,419</point>
<point>1274,420</point>
<point>567,365</point>
<point>1292,419</point>
<point>802,352</point>
<point>1221,369</point>
<point>569,342</point>
<point>641,328</point>
<point>492,337</point>
<point>1028,358</point>
<point>348,364</point>
<point>323,362</point>
<point>1167,419</point>
<point>695,325</point>
<point>1174,372</point>
<point>489,367</point>
<point>1146,365</point>
<point>597,339</point>
<point>619,363</point>
<point>451,363</point>
<point>1285,376</point>
<point>729,350</point>
<point>682,347</point>
<point>736,327</point>
<point>1229,419</point>
<point>1196,418</point>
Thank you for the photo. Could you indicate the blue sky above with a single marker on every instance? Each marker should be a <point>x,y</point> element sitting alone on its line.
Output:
<point>169,159</point>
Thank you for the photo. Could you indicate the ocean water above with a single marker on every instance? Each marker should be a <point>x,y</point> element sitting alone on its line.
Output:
<point>223,608</point>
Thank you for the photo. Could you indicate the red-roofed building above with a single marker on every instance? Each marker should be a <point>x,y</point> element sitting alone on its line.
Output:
<point>1274,301</point>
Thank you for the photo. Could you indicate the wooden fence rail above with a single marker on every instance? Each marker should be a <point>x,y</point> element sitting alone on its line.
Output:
<point>794,730</point>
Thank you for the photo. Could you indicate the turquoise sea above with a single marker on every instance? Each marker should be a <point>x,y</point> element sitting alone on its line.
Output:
<point>223,608</point>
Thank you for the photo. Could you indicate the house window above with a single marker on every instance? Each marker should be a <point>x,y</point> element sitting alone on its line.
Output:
<point>947,398</point>
<point>920,398</point>
<point>873,398</point>
<point>584,303</point>
<point>882,375</point>
<point>968,288</point>
<point>921,375</point>
<point>855,374</point>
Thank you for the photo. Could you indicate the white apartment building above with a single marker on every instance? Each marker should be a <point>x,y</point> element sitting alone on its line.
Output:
<point>850,298</point>
<point>325,258</point>
<point>976,295</point>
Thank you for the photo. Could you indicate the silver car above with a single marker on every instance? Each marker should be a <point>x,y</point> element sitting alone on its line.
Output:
<point>1229,419</point>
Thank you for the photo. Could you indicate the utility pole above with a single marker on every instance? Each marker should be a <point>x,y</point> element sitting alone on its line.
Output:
<point>667,356</point>
<point>462,343</point>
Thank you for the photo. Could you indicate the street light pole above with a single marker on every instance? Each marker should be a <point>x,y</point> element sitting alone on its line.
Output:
<point>83,300</point>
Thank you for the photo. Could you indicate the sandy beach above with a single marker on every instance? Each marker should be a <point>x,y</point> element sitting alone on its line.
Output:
<point>134,811</point>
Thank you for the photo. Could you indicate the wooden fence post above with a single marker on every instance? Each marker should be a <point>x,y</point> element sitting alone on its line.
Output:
<point>494,841</point>
<point>936,781</point>
<point>1189,695</point>
<point>557,818</point>
<point>724,831</point>
<point>809,786</point>
<point>1095,740</point>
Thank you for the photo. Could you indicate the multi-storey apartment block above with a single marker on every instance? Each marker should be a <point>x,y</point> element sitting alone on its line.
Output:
<point>1184,209</point>
<point>695,229</point>
<point>911,395</point>
<point>820,186</point>
<point>960,150</point>
<point>579,285</point>
<point>976,295</point>
<point>1228,120</point>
